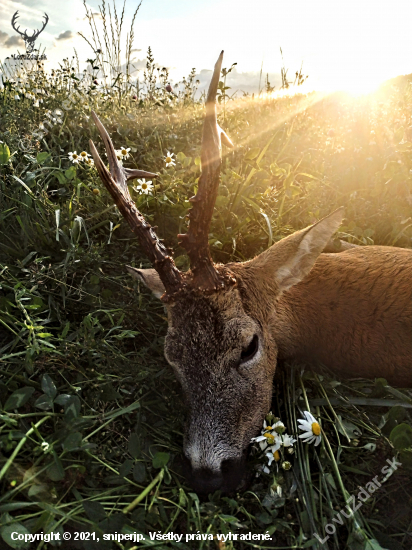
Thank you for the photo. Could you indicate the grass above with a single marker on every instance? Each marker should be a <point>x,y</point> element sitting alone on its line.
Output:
<point>90,413</point>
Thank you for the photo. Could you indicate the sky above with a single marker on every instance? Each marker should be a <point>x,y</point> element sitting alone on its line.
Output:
<point>351,44</point>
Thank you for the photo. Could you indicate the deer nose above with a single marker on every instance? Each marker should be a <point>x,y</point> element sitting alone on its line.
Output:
<point>205,480</point>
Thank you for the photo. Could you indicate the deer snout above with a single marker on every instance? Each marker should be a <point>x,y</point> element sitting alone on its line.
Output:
<point>204,480</point>
<point>228,478</point>
<point>210,471</point>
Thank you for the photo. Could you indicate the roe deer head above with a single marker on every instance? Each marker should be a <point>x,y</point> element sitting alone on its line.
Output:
<point>228,324</point>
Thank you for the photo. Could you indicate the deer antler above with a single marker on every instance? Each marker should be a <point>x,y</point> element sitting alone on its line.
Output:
<point>13,22</point>
<point>24,34</point>
<point>195,241</point>
<point>116,183</point>
<point>37,32</point>
<point>204,275</point>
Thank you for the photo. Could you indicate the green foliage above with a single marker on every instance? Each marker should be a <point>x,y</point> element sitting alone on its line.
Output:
<point>4,154</point>
<point>401,436</point>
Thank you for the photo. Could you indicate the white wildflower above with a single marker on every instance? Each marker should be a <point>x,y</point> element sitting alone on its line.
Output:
<point>144,187</point>
<point>74,157</point>
<point>83,155</point>
<point>169,159</point>
<point>124,152</point>
<point>311,428</point>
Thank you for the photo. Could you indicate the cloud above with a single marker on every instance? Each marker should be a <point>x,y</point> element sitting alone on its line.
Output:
<point>66,35</point>
<point>3,36</point>
<point>13,41</point>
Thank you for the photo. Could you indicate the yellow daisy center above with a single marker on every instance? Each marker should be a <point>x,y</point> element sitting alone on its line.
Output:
<point>144,185</point>
<point>276,456</point>
<point>83,154</point>
<point>268,428</point>
<point>270,438</point>
<point>74,156</point>
<point>124,152</point>
<point>168,159</point>
<point>315,428</point>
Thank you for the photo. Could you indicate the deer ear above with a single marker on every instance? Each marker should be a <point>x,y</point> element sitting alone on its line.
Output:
<point>291,259</point>
<point>148,277</point>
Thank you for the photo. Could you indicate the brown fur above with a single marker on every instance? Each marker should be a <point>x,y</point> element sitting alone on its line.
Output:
<point>353,313</point>
<point>350,311</point>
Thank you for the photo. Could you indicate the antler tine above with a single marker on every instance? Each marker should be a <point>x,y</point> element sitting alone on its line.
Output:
<point>13,22</point>
<point>195,241</point>
<point>115,182</point>
<point>121,175</point>
<point>44,24</point>
<point>116,169</point>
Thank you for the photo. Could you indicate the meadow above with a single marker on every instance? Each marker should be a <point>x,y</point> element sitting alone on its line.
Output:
<point>91,415</point>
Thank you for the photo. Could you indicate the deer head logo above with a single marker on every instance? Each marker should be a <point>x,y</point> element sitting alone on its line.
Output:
<point>29,40</point>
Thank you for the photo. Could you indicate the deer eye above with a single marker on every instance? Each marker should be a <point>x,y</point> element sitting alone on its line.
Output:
<point>251,350</point>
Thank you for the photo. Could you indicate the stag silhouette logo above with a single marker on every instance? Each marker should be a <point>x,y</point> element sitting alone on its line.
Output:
<point>29,40</point>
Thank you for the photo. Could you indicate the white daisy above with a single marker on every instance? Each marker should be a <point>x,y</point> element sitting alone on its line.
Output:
<point>169,159</point>
<point>145,187</point>
<point>268,438</point>
<point>74,157</point>
<point>83,155</point>
<point>287,441</point>
<point>124,152</point>
<point>311,428</point>
<point>36,103</point>
<point>273,456</point>
<point>16,97</point>
<point>89,161</point>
